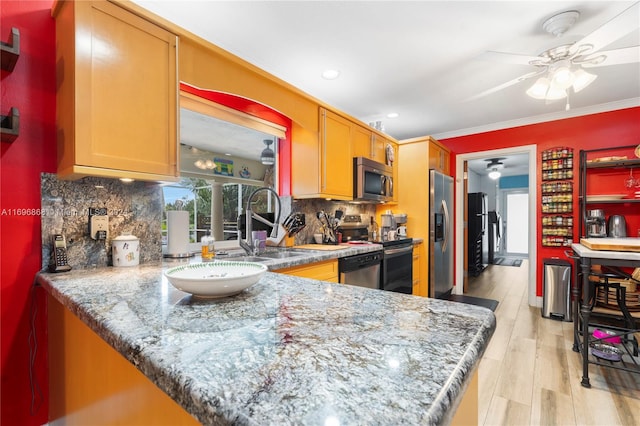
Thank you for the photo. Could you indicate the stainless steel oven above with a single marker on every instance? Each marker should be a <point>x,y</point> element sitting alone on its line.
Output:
<point>397,266</point>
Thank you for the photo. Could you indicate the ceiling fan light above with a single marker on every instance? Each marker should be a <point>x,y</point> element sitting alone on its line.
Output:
<point>582,79</point>
<point>268,156</point>
<point>562,77</point>
<point>539,88</point>
<point>555,93</point>
<point>494,174</point>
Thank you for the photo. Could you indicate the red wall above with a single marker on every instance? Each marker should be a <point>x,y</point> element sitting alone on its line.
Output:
<point>31,87</point>
<point>609,129</point>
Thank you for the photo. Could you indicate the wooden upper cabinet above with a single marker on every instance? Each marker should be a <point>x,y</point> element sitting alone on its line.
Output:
<point>379,146</point>
<point>361,141</point>
<point>439,157</point>
<point>117,93</point>
<point>366,143</point>
<point>336,161</point>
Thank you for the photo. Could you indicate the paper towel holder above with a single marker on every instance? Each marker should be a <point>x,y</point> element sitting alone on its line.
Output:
<point>178,254</point>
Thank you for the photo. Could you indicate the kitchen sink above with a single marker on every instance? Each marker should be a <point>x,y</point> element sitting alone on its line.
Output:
<point>263,257</point>
<point>243,258</point>
<point>281,254</point>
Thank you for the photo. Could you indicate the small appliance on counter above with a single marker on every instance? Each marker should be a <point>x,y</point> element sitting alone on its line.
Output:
<point>388,230</point>
<point>617,226</point>
<point>401,222</point>
<point>595,223</point>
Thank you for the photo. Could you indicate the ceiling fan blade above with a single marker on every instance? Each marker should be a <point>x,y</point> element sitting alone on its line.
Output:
<point>504,85</point>
<point>512,58</point>
<point>627,55</point>
<point>611,31</point>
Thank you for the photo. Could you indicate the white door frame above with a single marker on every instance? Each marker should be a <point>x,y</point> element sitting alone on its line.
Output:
<point>531,150</point>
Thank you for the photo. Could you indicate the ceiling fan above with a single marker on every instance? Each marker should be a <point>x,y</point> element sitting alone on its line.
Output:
<point>494,165</point>
<point>561,69</point>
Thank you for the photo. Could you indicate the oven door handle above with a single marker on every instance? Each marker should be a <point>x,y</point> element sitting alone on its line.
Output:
<point>402,250</point>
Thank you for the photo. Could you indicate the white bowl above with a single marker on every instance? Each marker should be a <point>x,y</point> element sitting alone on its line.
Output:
<point>215,279</point>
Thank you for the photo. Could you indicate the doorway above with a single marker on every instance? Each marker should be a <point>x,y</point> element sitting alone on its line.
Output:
<point>531,222</point>
<point>515,239</point>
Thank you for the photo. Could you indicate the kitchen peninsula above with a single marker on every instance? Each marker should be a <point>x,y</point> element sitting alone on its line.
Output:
<point>288,350</point>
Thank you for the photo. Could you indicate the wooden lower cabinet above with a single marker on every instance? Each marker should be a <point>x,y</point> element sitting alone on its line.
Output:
<point>90,383</point>
<point>467,412</point>
<point>417,273</point>
<point>325,271</point>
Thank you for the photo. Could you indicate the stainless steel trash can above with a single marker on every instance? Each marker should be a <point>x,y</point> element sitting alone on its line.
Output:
<point>556,291</point>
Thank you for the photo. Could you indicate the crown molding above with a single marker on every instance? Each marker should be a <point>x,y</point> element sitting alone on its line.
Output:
<point>593,109</point>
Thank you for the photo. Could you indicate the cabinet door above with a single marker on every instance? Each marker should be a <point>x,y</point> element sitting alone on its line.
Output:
<point>365,143</point>
<point>416,271</point>
<point>336,164</point>
<point>126,92</point>
<point>361,142</point>
<point>325,271</point>
<point>438,157</point>
<point>379,146</point>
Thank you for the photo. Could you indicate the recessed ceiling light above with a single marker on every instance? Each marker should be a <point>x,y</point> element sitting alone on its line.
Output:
<point>393,115</point>
<point>330,74</point>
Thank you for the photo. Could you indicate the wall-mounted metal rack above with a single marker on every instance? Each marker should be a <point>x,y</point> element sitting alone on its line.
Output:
<point>10,51</point>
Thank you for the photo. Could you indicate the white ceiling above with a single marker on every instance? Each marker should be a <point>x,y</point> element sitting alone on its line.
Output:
<point>419,59</point>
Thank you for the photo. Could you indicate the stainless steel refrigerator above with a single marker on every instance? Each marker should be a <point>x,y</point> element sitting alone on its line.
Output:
<point>440,235</point>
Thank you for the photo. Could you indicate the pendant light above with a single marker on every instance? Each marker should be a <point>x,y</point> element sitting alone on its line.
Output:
<point>268,156</point>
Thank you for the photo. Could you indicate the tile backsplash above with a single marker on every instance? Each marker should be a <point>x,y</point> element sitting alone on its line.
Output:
<point>132,207</point>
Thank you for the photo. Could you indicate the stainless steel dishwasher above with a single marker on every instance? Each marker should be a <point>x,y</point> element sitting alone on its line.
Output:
<point>362,270</point>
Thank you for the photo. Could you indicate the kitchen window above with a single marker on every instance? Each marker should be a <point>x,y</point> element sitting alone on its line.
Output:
<point>200,198</point>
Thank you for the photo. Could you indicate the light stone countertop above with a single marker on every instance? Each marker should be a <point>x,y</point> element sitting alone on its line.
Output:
<point>288,350</point>
<point>584,251</point>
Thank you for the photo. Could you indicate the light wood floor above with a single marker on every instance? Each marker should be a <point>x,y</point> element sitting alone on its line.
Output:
<point>529,374</point>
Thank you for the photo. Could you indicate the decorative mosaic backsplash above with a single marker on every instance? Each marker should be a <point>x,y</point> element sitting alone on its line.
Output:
<point>132,207</point>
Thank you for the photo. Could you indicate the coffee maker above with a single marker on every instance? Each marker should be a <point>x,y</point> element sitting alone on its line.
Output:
<point>388,227</point>
<point>595,223</point>
<point>401,222</point>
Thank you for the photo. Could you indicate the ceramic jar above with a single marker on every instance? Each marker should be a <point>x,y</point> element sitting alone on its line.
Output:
<point>125,250</point>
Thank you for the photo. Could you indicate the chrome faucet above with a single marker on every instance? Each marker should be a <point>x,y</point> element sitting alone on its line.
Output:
<point>249,246</point>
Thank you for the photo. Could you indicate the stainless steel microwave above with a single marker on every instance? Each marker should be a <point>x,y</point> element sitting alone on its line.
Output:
<point>372,181</point>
